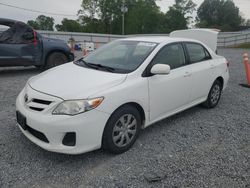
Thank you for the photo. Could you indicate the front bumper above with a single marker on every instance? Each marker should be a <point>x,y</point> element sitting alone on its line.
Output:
<point>88,127</point>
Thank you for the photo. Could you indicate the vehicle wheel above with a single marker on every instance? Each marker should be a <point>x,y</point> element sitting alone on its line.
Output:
<point>122,130</point>
<point>55,59</point>
<point>214,95</point>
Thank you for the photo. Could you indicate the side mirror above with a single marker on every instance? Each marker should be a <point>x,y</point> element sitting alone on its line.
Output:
<point>160,69</point>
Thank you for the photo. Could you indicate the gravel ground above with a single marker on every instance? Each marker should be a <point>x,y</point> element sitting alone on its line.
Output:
<point>196,148</point>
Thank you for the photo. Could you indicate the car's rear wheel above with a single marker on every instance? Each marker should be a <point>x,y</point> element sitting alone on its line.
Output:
<point>122,130</point>
<point>214,95</point>
<point>55,59</point>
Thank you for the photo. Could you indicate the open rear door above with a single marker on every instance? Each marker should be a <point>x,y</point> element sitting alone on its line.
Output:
<point>207,36</point>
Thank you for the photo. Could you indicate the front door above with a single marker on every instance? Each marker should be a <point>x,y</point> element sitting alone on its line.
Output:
<point>171,92</point>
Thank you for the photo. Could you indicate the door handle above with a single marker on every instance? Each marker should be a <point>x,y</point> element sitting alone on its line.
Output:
<point>212,66</point>
<point>187,74</point>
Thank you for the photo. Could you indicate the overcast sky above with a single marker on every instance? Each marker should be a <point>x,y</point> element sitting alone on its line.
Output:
<point>70,7</point>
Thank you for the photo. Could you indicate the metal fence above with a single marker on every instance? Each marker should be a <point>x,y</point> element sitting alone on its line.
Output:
<point>233,39</point>
<point>225,39</point>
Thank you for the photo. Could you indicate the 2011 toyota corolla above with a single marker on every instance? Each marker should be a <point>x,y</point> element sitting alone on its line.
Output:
<point>106,98</point>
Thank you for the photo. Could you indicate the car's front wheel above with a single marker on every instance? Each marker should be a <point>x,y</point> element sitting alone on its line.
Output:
<point>214,95</point>
<point>121,130</point>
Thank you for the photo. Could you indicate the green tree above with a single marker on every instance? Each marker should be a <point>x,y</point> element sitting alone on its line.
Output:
<point>69,26</point>
<point>179,15</point>
<point>143,16</point>
<point>175,20</point>
<point>33,24</point>
<point>247,23</point>
<point>42,23</point>
<point>106,15</point>
<point>184,6</point>
<point>221,14</point>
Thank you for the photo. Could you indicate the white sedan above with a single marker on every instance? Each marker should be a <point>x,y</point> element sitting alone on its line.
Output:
<point>106,98</point>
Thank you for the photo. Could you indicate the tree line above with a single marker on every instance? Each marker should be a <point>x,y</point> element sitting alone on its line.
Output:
<point>144,16</point>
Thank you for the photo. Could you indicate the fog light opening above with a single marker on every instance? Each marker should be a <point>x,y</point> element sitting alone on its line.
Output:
<point>69,139</point>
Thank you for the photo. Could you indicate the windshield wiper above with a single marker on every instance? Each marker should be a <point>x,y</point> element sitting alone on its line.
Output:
<point>96,66</point>
<point>79,61</point>
<point>109,69</point>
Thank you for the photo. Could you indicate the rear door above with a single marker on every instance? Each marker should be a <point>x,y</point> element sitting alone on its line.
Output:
<point>202,70</point>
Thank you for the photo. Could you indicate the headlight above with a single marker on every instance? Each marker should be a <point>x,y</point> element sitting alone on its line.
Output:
<point>74,107</point>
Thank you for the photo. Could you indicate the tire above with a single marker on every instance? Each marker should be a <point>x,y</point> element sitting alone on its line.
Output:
<point>121,130</point>
<point>55,59</point>
<point>214,95</point>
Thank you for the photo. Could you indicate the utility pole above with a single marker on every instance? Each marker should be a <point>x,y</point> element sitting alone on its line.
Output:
<point>124,9</point>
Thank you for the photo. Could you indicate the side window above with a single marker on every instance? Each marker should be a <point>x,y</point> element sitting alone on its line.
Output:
<point>4,36</point>
<point>172,55</point>
<point>197,52</point>
<point>18,33</point>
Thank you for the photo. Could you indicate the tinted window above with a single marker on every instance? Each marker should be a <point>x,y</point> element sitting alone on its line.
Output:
<point>197,52</point>
<point>18,33</point>
<point>172,55</point>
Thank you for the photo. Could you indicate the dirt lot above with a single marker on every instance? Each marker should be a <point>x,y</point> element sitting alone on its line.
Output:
<point>196,148</point>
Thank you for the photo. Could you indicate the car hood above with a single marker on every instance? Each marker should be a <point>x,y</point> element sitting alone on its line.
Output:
<point>71,81</point>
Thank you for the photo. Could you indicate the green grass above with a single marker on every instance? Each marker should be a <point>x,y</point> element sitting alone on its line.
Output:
<point>245,45</point>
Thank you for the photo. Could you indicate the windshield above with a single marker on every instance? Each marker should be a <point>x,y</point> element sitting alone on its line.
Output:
<point>121,56</point>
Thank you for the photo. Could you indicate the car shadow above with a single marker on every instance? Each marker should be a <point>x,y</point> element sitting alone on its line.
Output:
<point>18,71</point>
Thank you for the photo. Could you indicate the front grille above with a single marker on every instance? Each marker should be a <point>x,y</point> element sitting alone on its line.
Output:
<point>38,104</point>
<point>36,109</point>
<point>39,101</point>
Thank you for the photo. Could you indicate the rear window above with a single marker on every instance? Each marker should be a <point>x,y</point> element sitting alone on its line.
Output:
<point>197,52</point>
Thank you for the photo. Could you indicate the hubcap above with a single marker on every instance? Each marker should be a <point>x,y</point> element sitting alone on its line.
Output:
<point>124,130</point>
<point>215,94</point>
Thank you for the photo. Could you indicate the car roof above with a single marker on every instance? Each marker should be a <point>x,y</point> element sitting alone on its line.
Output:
<point>8,22</point>
<point>160,39</point>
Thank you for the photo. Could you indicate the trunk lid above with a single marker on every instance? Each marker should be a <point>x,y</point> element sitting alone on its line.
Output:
<point>207,36</point>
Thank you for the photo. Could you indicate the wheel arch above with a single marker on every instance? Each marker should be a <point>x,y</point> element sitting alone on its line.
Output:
<point>133,104</point>
<point>138,107</point>
<point>221,80</point>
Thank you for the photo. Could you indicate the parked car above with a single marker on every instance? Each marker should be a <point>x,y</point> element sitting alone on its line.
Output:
<point>20,45</point>
<point>106,98</point>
